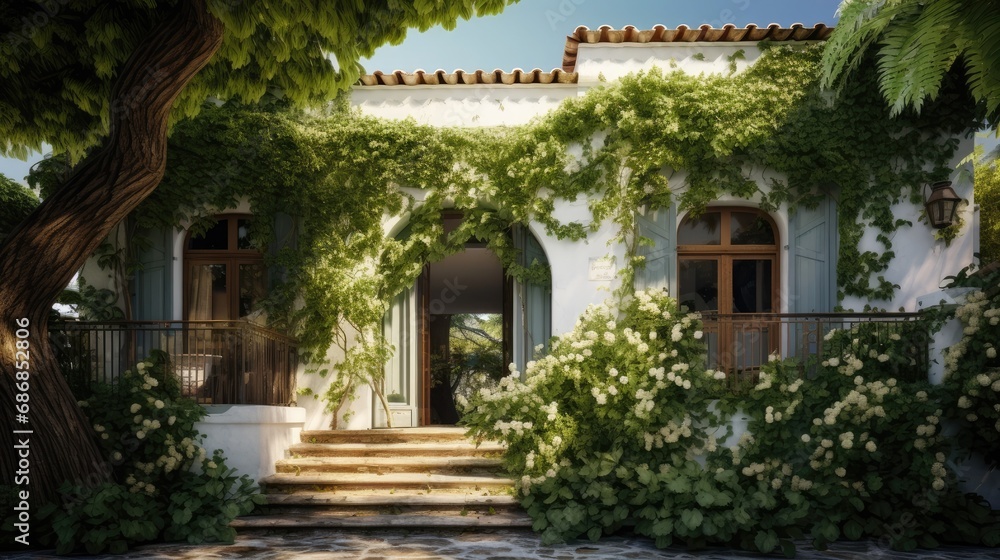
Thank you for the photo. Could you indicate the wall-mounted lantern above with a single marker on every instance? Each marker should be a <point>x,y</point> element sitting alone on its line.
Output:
<point>942,204</point>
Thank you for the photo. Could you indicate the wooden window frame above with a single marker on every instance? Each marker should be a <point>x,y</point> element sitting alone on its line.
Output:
<point>232,257</point>
<point>724,254</point>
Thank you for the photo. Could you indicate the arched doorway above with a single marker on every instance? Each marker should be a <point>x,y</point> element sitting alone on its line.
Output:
<point>458,328</point>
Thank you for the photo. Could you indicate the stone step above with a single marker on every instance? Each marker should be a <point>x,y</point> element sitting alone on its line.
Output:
<point>355,501</point>
<point>386,435</point>
<point>433,449</point>
<point>334,482</point>
<point>383,465</point>
<point>427,520</point>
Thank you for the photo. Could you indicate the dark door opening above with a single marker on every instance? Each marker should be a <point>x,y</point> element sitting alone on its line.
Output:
<point>465,330</point>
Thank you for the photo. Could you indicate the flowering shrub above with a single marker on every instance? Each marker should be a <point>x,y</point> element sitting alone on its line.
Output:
<point>893,350</point>
<point>615,428</point>
<point>163,483</point>
<point>862,447</point>
<point>972,371</point>
<point>616,411</point>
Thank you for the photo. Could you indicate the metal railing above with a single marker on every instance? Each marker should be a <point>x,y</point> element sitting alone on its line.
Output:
<point>740,343</point>
<point>216,362</point>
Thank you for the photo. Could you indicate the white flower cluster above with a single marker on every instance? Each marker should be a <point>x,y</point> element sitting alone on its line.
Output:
<point>515,426</point>
<point>136,486</point>
<point>671,433</point>
<point>861,404</point>
<point>177,452</point>
<point>926,432</point>
<point>939,472</point>
<point>976,310</point>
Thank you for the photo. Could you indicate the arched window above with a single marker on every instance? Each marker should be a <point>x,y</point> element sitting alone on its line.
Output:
<point>224,275</point>
<point>727,269</point>
<point>728,261</point>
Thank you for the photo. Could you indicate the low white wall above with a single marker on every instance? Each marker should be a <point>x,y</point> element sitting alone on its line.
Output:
<point>252,437</point>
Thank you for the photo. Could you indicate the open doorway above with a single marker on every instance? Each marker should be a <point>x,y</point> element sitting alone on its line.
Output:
<point>466,328</point>
<point>457,329</point>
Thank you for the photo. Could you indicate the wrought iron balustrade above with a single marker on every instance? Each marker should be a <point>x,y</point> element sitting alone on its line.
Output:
<point>216,362</point>
<point>740,343</point>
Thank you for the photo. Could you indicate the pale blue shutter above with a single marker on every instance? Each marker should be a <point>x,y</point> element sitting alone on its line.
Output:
<point>659,226</point>
<point>153,282</point>
<point>536,320</point>
<point>813,257</point>
<point>285,236</point>
<point>812,254</point>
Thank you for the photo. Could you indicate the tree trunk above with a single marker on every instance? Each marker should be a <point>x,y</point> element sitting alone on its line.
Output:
<point>40,257</point>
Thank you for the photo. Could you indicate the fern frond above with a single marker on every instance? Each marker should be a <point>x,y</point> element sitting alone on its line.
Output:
<point>916,52</point>
<point>980,41</point>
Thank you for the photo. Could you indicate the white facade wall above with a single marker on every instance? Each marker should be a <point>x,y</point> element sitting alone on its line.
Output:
<point>919,267</point>
<point>921,261</point>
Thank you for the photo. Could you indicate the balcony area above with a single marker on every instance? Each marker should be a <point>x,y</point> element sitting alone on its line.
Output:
<point>216,362</point>
<point>740,343</point>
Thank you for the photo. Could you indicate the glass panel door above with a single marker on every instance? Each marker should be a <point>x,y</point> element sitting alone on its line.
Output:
<point>698,283</point>
<point>752,292</point>
<point>252,286</point>
<point>698,289</point>
<point>207,297</point>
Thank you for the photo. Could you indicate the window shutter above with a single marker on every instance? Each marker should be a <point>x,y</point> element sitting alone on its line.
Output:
<point>153,282</point>
<point>659,226</point>
<point>285,236</point>
<point>813,254</point>
<point>534,326</point>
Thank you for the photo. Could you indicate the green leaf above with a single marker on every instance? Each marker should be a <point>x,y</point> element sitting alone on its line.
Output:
<point>853,530</point>
<point>766,541</point>
<point>691,518</point>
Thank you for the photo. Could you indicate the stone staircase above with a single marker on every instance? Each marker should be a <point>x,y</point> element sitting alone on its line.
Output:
<point>429,477</point>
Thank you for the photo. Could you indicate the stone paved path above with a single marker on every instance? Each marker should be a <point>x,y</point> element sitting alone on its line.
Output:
<point>480,545</point>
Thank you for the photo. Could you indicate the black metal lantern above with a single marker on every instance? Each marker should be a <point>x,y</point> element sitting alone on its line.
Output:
<point>942,204</point>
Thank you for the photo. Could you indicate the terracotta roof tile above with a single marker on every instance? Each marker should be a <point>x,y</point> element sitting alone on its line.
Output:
<point>460,77</point>
<point>729,33</point>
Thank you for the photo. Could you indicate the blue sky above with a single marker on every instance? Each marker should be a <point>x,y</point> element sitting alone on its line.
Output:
<point>532,34</point>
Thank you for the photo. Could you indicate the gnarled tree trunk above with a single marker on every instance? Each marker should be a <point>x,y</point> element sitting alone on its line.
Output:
<point>39,258</point>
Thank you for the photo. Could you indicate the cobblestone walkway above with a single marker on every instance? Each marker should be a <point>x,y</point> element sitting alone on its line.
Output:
<point>480,545</point>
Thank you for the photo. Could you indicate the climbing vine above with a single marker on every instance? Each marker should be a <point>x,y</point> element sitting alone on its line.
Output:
<point>652,139</point>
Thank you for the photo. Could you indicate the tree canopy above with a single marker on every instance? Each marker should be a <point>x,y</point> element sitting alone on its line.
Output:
<point>16,202</point>
<point>114,76</point>
<point>917,44</point>
<point>59,59</point>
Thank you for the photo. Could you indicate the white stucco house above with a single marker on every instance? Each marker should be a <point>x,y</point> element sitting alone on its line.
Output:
<point>734,258</point>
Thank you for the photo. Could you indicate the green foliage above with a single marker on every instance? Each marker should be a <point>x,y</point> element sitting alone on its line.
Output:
<point>16,202</point>
<point>476,345</point>
<point>972,367</point>
<point>917,45</point>
<point>987,189</point>
<point>604,425</point>
<point>164,485</point>
<point>266,46</point>
<point>92,303</point>
<point>840,448</point>
<point>619,147</point>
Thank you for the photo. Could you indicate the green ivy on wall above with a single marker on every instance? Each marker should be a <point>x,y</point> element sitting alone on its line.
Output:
<point>767,133</point>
